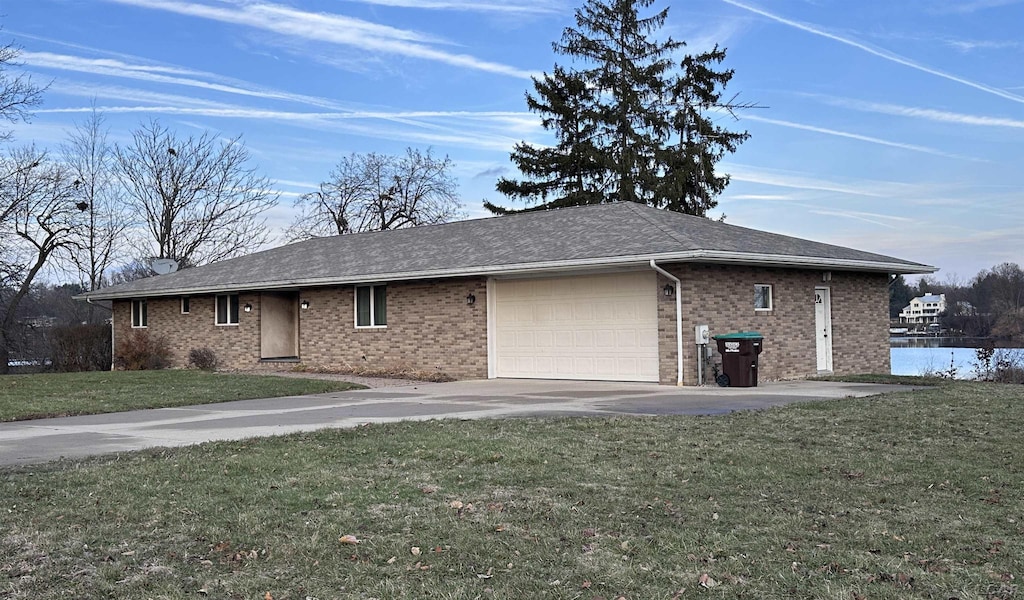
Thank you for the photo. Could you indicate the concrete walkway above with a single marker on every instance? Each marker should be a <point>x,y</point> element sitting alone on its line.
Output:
<point>28,442</point>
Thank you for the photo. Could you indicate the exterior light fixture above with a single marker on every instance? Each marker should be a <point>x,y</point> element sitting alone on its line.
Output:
<point>304,304</point>
<point>470,299</point>
<point>247,307</point>
<point>669,290</point>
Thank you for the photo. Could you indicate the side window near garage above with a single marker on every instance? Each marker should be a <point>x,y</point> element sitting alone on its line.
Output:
<point>184,305</point>
<point>140,313</point>
<point>371,306</point>
<point>762,297</point>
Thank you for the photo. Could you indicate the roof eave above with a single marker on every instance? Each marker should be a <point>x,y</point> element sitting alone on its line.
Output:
<point>712,256</point>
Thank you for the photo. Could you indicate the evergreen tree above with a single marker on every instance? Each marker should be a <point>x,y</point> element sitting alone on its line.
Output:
<point>632,124</point>
<point>688,182</point>
<point>569,173</point>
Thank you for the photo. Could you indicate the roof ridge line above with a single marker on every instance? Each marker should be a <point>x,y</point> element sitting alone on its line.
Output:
<point>672,234</point>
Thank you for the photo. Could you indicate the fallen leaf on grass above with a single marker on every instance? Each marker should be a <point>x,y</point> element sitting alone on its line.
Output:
<point>267,596</point>
<point>706,581</point>
<point>415,550</point>
<point>392,560</point>
<point>586,585</point>
<point>456,504</point>
<point>348,539</point>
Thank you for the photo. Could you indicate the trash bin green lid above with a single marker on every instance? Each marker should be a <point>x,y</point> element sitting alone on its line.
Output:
<point>740,335</point>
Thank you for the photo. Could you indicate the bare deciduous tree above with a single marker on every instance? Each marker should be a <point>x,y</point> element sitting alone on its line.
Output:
<point>18,93</point>
<point>377,192</point>
<point>197,198</point>
<point>38,215</point>
<point>101,237</point>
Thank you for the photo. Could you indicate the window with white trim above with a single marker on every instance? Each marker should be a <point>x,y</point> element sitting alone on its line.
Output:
<point>227,309</point>
<point>762,296</point>
<point>371,306</point>
<point>140,314</point>
<point>184,305</point>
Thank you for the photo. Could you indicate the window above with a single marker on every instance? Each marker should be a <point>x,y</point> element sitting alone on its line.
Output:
<point>140,313</point>
<point>227,309</point>
<point>371,306</point>
<point>184,305</point>
<point>762,297</point>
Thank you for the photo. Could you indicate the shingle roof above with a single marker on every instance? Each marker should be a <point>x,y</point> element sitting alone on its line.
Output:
<point>580,237</point>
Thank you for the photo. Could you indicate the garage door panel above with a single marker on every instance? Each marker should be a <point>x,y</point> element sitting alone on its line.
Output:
<point>585,327</point>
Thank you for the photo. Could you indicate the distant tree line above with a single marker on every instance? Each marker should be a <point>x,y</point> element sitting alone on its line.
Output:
<point>991,304</point>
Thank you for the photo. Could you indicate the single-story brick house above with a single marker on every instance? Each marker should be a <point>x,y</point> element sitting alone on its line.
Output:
<point>605,292</point>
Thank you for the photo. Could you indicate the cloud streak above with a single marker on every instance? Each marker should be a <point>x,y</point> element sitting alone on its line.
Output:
<point>853,136</point>
<point>493,135</point>
<point>881,53</point>
<point>929,114</point>
<point>329,28</point>
<point>538,7</point>
<point>171,75</point>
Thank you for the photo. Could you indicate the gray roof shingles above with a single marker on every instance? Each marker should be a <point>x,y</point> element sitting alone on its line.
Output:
<point>588,235</point>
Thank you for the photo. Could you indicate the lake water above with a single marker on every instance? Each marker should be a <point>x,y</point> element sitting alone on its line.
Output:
<point>921,355</point>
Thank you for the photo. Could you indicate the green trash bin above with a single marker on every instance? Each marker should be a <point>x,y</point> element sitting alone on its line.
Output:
<point>739,352</point>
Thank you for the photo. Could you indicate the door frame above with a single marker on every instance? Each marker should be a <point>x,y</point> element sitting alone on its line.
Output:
<point>823,329</point>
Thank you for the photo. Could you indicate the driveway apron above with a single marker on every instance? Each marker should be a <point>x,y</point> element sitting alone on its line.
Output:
<point>38,441</point>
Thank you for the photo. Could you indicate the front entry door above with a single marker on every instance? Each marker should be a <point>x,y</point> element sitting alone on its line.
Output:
<point>279,325</point>
<point>823,327</point>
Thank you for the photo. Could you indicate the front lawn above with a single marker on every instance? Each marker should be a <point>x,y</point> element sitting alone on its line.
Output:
<point>66,394</point>
<point>912,495</point>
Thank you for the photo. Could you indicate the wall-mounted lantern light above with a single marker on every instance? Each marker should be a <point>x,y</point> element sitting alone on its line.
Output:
<point>247,307</point>
<point>304,304</point>
<point>470,299</point>
<point>670,290</point>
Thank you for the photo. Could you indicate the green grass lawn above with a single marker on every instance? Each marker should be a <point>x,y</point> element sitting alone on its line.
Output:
<point>911,495</point>
<point>65,394</point>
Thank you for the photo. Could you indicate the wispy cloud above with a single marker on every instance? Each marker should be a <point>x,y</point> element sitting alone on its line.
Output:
<point>962,7</point>
<point>890,221</point>
<point>157,74</point>
<point>881,53</point>
<point>852,136</point>
<point>330,28</point>
<point>799,181</point>
<point>930,114</point>
<point>486,130</point>
<point>535,7</point>
<point>760,197</point>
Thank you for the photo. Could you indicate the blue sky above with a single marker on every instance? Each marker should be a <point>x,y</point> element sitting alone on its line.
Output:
<point>893,127</point>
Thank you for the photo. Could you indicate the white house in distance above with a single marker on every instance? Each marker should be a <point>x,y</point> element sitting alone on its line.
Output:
<point>924,309</point>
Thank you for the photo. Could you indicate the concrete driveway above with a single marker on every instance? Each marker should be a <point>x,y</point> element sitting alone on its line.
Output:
<point>28,442</point>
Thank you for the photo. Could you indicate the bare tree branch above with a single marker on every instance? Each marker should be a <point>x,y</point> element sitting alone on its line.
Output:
<point>377,192</point>
<point>38,217</point>
<point>197,199</point>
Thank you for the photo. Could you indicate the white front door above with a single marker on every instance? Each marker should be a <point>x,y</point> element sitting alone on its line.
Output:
<point>583,327</point>
<point>823,327</point>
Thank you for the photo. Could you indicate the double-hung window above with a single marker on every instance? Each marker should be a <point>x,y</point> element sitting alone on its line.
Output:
<point>140,314</point>
<point>227,309</point>
<point>762,297</point>
<point>371,306</point>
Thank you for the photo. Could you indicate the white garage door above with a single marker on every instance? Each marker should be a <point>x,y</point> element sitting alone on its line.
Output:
<point>587,327</point>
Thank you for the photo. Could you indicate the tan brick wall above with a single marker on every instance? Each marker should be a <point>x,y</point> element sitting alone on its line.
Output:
<point>236,346</point>
<point>430,328</point>
<point>722,297</point>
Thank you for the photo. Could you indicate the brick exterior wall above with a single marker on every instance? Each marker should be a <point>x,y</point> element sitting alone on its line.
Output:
<point>722,297</point>
<point>430,328</point>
